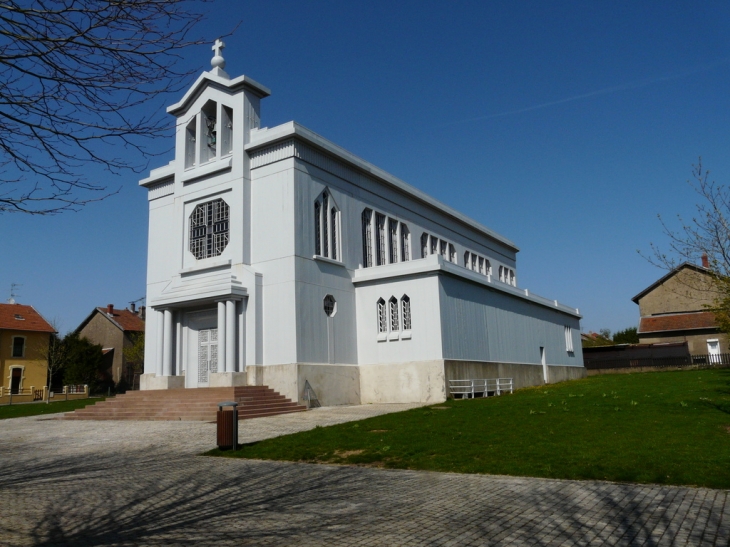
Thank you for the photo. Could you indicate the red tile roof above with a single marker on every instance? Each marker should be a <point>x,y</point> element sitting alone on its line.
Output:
<point>20,317</point>
<point>677,321</point>
<point>127,320</point>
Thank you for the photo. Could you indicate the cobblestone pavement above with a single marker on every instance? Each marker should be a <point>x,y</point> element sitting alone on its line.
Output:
<point>86,483</point>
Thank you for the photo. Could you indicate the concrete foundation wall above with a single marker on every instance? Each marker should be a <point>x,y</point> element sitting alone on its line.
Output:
<point>523,375</point>
<point>414,382</point>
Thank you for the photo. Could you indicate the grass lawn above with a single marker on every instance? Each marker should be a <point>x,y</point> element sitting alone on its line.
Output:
<point>35,409</point>
<point>661,427</point>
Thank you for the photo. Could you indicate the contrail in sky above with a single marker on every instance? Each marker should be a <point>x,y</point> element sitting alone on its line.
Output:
<point>605,91</point>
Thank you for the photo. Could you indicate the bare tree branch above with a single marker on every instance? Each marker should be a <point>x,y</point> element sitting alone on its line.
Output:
<point>72,76</point>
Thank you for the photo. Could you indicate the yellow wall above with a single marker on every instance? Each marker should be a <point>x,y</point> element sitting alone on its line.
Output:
<point>33,362</point>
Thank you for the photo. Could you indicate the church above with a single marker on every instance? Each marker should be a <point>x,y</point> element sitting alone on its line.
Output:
<point>278,258</point>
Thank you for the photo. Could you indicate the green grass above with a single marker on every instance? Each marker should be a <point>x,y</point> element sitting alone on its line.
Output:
<point>21,410</point>
<point>663,427</point>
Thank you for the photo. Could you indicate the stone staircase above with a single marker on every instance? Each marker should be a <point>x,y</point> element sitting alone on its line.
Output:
<point>188,404</point>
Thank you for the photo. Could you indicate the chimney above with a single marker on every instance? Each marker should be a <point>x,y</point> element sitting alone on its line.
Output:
<point>705,261</point>
<point>110,309</point>
<point>133,306</point>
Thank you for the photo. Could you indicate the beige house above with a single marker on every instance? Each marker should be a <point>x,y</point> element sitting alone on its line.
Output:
<point>24,340</point>
<point>114,329</point>
<point>674,309</point>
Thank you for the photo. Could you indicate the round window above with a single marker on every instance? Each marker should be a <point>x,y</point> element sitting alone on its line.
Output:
<point>330,305</point>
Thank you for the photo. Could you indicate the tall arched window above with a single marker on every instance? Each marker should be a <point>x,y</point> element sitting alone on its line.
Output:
<point>394,321</point>
<point>317,228</point>
<point>367,236</point>
<point>326,227</point>
<point>487,267</point>
<point>405,243</point>
<point>333,229</point>
<point>382,316</point>
<point>467,262</point>
<point>434,245</point>
<point>424,245</point>
<point>512,278</point>
<point>406,308</point>
<point>452,253</point>
<point>325,231</point>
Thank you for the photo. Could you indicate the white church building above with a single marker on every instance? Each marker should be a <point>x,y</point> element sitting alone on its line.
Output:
<point>277,258</point>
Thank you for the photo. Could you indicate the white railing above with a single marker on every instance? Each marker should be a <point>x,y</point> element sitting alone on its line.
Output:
<point>468,389</point>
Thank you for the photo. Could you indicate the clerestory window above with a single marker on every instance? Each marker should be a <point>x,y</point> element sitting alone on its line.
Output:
<point>209,229</point>
<point>367,238</point>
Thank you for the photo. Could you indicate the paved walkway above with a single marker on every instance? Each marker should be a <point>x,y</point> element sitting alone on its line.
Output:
<point>142,483</point>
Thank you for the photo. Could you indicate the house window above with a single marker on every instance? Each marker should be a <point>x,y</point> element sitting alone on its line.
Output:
<point>382,316</point>
<point>209,229</point>
<point>568,339</point>
<point>452,253</point>
<point>18,346</point>
<point>380,239</point>
<point>405,243</point>
<point>393,230</point>
<point>367,234</point>
<point>394,321</point>
<point>406,307</point>
<point>424,245</point>
<point>330,305</point>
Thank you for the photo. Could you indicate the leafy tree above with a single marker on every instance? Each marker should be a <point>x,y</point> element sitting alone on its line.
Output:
<point>592,339</point>
<point>73,74</point>
<point>134,354</point>
<point>84,362</point>
<point>627,336</point>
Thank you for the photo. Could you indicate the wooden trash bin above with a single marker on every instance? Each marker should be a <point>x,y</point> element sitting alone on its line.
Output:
<point>227,426</point>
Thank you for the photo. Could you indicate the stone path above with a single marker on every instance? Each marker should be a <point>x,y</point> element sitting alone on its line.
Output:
<point>143,483</point>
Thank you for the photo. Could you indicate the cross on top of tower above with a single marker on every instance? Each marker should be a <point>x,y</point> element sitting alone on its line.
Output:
<point>218,61</point>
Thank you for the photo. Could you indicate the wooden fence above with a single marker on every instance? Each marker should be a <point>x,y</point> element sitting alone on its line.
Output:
<point>690,361</point>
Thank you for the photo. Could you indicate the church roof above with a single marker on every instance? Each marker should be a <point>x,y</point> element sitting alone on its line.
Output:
<point>268,136</point>
<point>21,317</point>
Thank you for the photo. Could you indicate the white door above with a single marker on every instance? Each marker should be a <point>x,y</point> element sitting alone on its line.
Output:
<point>207,355</point>
<point>713,349</point>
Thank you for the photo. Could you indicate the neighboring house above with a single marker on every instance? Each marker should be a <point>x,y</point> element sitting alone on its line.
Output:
<point>24,340</point>
<point>674,309</point>
<point>278,258</point>
<point>114,329</point>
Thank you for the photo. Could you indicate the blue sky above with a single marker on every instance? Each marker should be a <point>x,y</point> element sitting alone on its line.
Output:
<point>565,126</point>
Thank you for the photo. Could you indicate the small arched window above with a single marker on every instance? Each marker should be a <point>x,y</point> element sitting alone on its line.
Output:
<point>393,241</point>
<point>405,243</point>
<point>452,253</point>
<point>382,316</point>
<point>467,262</point>
<point>512,278</point>
<point>406,308</point>
<point>487,267</point>
<point>424,245</point>
<point>394,321</point>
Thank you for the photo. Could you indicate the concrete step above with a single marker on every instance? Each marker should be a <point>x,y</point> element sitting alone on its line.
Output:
<point>188,404</point>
